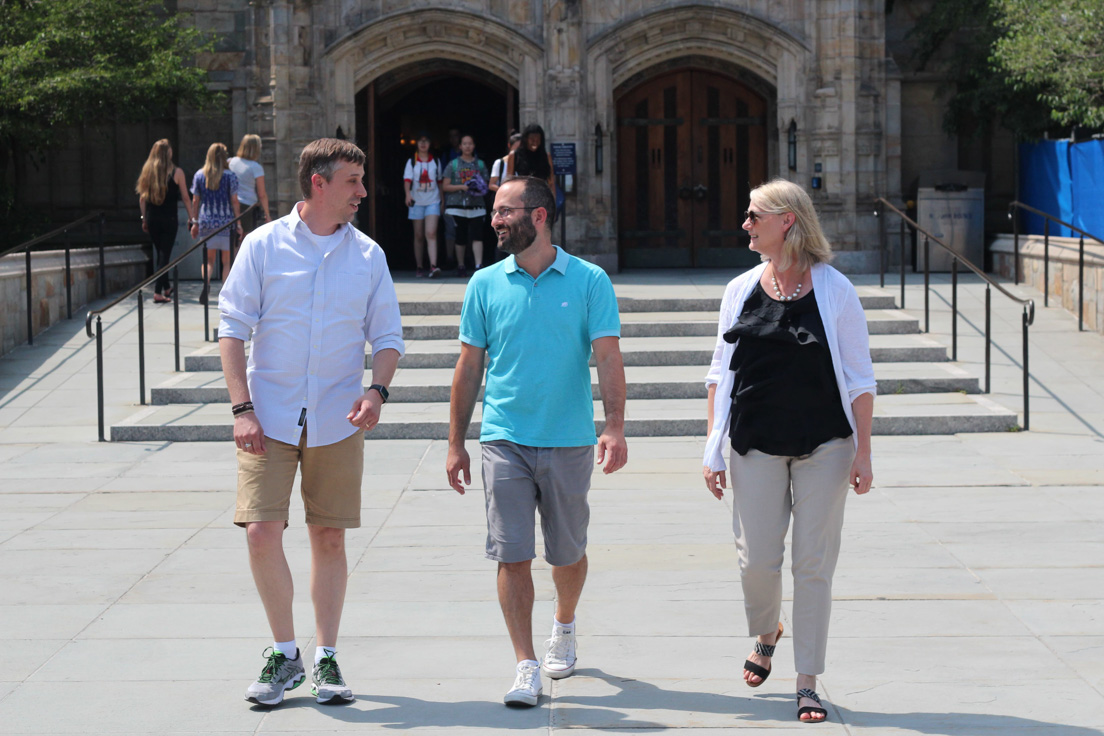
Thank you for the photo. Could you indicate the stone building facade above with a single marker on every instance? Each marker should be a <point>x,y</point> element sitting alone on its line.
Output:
<point>740,91</point>
<point>675,109</point>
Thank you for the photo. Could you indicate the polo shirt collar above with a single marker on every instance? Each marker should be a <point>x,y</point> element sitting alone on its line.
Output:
<point>560,264</point>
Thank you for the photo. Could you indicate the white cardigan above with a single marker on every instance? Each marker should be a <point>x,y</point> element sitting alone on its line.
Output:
<point>844,328</point>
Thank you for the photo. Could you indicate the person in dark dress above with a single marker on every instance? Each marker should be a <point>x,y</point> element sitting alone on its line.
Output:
<point>161,186</point>
<point>791,394</point>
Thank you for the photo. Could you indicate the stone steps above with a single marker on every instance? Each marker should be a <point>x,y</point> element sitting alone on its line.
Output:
<point>694,350</point>
<point>420,385</point>
<point>908,414</point>
<point>667,345</point>
<point>656,324</point>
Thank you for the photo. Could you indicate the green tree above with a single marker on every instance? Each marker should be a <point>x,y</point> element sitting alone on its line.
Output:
<point>65,62</point>
<point>1056,48</point>
<point>960,36</point>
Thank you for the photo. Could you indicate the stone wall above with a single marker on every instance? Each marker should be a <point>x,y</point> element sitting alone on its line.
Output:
<point>1063,272</point>
<point>126,265</point>
<point>824,60</point>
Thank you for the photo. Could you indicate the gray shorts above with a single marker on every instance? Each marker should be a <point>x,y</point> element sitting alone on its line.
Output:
<point>518,480</point>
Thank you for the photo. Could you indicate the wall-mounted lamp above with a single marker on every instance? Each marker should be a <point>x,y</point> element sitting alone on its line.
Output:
<point>340,134</point>
<point>598,148</point>
<point>791,146</point>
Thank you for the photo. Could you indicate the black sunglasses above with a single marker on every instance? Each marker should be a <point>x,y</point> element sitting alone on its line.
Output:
<point>753,215</point>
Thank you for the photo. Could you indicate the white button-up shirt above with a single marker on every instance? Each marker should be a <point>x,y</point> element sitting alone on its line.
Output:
<point>309,313</point>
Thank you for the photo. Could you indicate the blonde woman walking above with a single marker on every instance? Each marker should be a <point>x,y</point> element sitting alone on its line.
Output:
<point>251,182</point>
<point>215,202</point>
<point>791,402</point>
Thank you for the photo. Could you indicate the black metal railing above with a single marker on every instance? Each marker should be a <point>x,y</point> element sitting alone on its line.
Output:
<point>174,267</point>
<point>65,232</point>
<point>1027,304</point>
<point>1017,267</point>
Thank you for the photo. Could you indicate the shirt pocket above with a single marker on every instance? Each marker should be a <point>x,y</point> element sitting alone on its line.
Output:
<point>349,297</point>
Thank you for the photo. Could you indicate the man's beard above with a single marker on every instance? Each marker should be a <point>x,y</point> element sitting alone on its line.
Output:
<point>518,237</point>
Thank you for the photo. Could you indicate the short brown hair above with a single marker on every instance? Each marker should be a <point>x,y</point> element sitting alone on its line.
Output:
<point>538,194</point>
<point>321,157</point>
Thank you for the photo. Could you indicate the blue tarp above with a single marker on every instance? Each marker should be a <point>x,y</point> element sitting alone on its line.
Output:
<point>1087,173</point>
<point>1045,184</point>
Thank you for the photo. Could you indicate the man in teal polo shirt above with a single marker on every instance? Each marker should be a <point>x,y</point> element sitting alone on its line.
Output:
<point>536,316</point>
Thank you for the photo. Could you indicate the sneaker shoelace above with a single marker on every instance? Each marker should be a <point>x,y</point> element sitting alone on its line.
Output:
<point>526,677</point>
<point>275,661</point>
<point>559,647</point>
<point>328,672</point>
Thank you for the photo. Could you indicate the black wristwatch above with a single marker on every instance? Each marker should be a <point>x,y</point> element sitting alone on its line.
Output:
<point>382,390</point>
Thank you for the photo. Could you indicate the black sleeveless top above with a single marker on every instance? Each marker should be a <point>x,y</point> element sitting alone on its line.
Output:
<point>785,400</point>
<point>166,211</point>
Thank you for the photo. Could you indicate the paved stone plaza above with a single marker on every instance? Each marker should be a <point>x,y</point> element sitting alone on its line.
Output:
<point>970,590</point>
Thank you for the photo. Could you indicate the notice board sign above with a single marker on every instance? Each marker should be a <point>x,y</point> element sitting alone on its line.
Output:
<point>563,159</point>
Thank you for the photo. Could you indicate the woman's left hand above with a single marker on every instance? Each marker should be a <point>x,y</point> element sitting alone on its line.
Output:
<point>861,473</point>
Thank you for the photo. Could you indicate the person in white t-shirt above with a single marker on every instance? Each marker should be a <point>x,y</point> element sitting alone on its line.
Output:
<point>423,199</point>
<point>251,185</point>
<point>498,169</point>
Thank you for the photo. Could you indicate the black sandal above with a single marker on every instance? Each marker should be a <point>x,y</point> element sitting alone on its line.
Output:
<point>811,695</point>
<point>763,650</point>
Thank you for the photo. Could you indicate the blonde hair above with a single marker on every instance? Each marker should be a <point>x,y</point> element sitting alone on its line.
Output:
<point>215,165</point>
<point>250,147</point>
<point>154,179</point>
<point>804,243</point>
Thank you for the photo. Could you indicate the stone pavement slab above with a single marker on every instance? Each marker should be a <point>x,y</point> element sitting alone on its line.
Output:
<point>968,594</point>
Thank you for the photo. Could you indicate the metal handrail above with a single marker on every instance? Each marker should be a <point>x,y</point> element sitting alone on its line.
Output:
<point>1017,271</point>
<point>63,230</point>
<point>1027,304</point>
<point>173,266</point>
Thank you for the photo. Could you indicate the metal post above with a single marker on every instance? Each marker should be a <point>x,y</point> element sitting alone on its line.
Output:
<point>954,309</point>
<point>30,318</point>
<point>206,268</point>
<point>103,268</point>
<point>141,353</point>
<point>176,314</point>
<point>1046,262</point>
<point>988,335</point>
<point>1026,373</point>
<point>902,263</point>
<point>1016,247</point>
<point>68,278</point>
<point>563,221</point>
<point>99,374</point>
<point>882,241</point>
<point>1081,285</point>
<point>927,283</point>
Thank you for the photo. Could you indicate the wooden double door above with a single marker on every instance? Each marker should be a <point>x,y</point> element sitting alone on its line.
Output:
<point>691,145</point>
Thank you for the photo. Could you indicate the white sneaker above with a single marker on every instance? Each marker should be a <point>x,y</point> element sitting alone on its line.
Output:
<point>559,660</point>
<point>527,685</point>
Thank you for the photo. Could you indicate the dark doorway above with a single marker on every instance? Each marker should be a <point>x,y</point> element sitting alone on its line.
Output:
<point>692,144</point>
<point>432,97</point>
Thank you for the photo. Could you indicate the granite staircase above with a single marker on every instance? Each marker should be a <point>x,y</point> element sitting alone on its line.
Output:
<point>667,345</point>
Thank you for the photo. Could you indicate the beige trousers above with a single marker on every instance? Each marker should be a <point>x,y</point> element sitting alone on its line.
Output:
<point>766,490</point>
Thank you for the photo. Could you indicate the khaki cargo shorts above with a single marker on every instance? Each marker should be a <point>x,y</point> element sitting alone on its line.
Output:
<point>331,482</point>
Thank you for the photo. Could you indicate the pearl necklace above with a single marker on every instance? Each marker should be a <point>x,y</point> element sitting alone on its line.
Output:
<point>778,292</point>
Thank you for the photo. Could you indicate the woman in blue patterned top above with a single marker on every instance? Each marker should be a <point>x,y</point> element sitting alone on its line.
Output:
<point>215,200</point>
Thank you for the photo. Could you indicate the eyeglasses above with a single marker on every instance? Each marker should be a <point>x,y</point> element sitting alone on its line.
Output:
<point>754,216</point>
<point>504,212</point>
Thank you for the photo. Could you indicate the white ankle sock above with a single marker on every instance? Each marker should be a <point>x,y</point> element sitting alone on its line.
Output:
<point>321,652</point>
<point>566,627</point>
<point>287,648</point>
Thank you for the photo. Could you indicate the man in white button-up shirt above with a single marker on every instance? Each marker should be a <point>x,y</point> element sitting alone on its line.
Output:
<point>309,290</point>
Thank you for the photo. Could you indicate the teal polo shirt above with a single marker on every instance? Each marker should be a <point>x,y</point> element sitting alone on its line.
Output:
<point>537,334</point>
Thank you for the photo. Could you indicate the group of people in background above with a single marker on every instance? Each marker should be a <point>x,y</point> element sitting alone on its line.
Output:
<point>459,183</point>
<point>218,192</point>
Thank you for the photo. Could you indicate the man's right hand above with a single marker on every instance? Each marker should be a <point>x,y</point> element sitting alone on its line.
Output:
<point>248,435</point>
<point>458,460</point>
<point>409,201</point>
